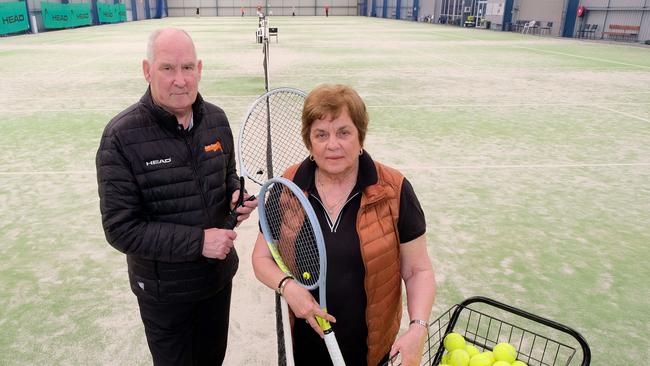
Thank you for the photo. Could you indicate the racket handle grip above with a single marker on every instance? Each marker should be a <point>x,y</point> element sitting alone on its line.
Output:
<point>333,349</point>
<point>230,222</point>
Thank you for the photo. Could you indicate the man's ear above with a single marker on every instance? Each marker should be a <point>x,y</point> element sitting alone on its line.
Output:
<point>146,70</point>
<point>199,67</point>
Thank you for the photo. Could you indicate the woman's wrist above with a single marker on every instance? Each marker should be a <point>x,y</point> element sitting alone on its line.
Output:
<point>283,282</point>
<point>419,323</point>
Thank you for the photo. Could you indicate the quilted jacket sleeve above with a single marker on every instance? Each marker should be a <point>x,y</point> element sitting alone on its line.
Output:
<point>125,224</point>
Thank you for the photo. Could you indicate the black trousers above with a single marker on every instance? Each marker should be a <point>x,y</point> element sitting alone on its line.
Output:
<point>194,333</point>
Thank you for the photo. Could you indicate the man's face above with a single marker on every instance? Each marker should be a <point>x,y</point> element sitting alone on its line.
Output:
<point>174,73</point>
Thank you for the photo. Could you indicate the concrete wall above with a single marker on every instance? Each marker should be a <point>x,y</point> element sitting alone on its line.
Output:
<point>494,12</point>
<point>541,10</point>
<point>622,12</point>
<point>180,8</point>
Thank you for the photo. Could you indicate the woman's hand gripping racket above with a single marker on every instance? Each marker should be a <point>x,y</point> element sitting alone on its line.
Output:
<point>295,239</point>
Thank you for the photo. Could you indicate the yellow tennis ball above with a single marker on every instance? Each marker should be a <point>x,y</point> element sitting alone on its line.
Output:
<point>454,341</point>
<point>445,358</point>
<point>306,275</point>
<point>458,357</point>
<point>489,355</point>
<point>473,351</point>
<point>505,352</point>
<point>518,363</point>
<point>501,363</point>
<point>481,359</point>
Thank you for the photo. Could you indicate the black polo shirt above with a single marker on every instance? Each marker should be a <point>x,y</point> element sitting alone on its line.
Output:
<point>346,297</point>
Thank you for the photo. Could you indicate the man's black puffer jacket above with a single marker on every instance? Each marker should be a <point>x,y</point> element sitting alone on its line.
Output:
<point>159,187</point>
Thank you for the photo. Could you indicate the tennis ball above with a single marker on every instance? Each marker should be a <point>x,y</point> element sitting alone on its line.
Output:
<point>445,358</point>
<point>501,363</point>
<point>518,363</point>
<point>458,357</point>
<point>473,351</point>
<point>481,359</point>
<point>454,341</point>
<point>505,352</point>
<point>489,355</point>
<point>306,275</point>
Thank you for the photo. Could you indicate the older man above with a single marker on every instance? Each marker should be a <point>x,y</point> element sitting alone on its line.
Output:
<point>167,180</point>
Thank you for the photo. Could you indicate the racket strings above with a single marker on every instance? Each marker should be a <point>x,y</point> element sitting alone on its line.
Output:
<point>293,235</point>
<point>273,125</point>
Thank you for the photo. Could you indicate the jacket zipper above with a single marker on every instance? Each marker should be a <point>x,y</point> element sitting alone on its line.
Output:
<point>197,178</point>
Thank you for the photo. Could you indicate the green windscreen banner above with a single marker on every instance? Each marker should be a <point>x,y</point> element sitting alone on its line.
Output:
<point>80,14</point>
<point>56,16</point>
<point>121,8</point>
<point>111,13</point>
<point>13,17</point>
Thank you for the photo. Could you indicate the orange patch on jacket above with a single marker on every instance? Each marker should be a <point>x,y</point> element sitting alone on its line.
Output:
<point>214,147</point>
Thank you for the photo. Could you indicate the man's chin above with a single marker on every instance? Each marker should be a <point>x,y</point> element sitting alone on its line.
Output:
<point>179,106</point>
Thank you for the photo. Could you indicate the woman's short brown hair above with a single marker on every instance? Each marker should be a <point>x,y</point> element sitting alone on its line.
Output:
<point>331,99</point>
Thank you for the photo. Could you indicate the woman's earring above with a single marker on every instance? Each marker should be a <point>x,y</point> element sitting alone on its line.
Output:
<point>361,151</point>
<point>311,157</point>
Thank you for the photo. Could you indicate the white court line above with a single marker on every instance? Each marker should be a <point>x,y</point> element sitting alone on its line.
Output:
<point>30,75</point>
<point>584,57</point>
<point>504,105</point>
<point>435,167</point>
<point>133,98</point>
<point>623,113</point>
<point>52,172</point>
<point>523,166</point>
<point>66,110</point>
<point>492,106</point>
<point>428,54</point>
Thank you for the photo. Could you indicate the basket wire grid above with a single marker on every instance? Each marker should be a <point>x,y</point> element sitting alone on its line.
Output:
<point>535,348</point>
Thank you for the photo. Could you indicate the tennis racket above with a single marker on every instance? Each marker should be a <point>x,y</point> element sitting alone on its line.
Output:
<point>269,142</point>
<point>231,219</point>
<point>295,239</point>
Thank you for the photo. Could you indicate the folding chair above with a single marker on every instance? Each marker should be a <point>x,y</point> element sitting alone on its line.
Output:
<point>548,27</point>
<point>531,25</point>
<point>591,32</point>
<point>582,30</point>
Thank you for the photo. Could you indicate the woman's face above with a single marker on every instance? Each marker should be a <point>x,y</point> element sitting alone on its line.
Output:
<point>335,143</point>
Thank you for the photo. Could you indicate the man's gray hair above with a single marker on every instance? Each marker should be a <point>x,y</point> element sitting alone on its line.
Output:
<point>154,36</point>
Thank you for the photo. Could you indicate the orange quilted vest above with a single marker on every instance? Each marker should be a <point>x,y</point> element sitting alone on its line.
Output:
<point>379,241</point>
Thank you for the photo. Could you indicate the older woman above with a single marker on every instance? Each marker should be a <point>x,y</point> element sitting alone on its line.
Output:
<point>374,230</point>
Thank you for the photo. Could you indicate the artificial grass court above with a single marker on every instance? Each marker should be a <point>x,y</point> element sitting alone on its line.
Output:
<point>530,155</point>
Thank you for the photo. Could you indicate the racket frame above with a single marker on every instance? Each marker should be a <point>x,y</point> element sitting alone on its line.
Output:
<point>330,338</point>
<point>264,98</point>
<point>318,235</point>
